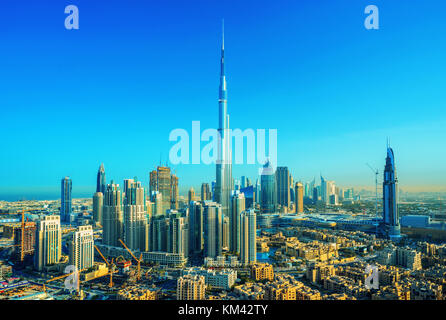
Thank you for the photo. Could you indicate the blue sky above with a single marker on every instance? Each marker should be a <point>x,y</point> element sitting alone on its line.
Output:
<point>114,89</point>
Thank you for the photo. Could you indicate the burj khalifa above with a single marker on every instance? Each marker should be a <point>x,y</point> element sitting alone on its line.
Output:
<point>223,186</point>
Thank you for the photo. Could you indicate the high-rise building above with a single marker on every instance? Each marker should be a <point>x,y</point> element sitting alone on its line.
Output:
<point>390,197</point>
<point>299,196</point>
<point>191,287</point>
<point>136,229</point>
<point>267,189</point>
<point>196,227</point>
<point>224,182</point>
<point>65,200</point>
<point>29,240</point>
<point>162,181</point>
<point>174,192</point>
<point>226,233</point>
<point>160,228</point>
<point>178,234</point>
<point>248,237</point>
<point>238,206</point>
<point>205,192</point>
<point>98,206</point>
<point>81,248</point>
<point>191,195</point>
<point>157,199</point>
<point>213,230</point>
<point>48,242</point>
<point>101,183</point>
<point>283,184</point>
<point>113,220</point>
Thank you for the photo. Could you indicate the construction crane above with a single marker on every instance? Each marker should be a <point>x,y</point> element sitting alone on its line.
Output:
<point>22,240</point>
<point>376,172</point>
<point>64,276</point>
<point>138,268</point>
<point>110,265</point>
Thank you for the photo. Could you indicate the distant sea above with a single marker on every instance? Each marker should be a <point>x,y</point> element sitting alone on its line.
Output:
<point>41,194</point>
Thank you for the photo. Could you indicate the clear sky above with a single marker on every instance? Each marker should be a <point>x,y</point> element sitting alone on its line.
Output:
<point>113,90</point>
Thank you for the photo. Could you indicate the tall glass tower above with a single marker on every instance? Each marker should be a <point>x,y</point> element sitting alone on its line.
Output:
<point>223,186</point>
<point>65,199</point>
<point>101,183</point>
<point>390,197</point>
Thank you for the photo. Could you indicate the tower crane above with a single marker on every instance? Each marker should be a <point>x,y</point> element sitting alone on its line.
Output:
<point>138,274</point>
<point>22,240</point>
<point>111,266</point>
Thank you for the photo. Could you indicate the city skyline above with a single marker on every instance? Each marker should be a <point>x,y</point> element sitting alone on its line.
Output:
<point>342,150</point>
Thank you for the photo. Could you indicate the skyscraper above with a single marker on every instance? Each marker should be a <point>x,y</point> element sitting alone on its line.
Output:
<point>178,234</point>
<point>101,183</point>
<point>48,242</point>
<point>390,197</point>
<point>267,189</point>
<point>98,206</point>
<point>248,237</point>
<point>191,195</point>
<point>205,192</point>
<point>174,192</point>
<point>164,182</point>
<point>213,230</point>
<point>112,216</point>
<point>136,230</point>
<point>223,186</point>
<point>238,206</point>
<point>283,186</point>
<point>299,197</point>
<point>196,227</point>
<point>82,248</point>
<point>65,200</point>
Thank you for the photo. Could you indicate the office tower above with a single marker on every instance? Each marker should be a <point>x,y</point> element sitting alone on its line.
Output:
<point>196,227</point>
<point>267,189</point>
<point>390,197</point>
<point>178,234</point>
<point>248,182</point>
<point>191,287</point>
<point>29,240</point>
<point>283,186</point>
<point>257,191</point>
<point>157,199</point>
<point>153,183</point>
<point>213,190</point>
<point>243,182</point>
<point>299,196</point>
<point>213,229</point>
<point>98,206</point>
<point>65,200</point>
<point>136,230</point>
<point>238,206</point>
<point>315,195</point>
<point>48,242</point>
<point>311,188</point>
<point>250,196</point>
<point>191,195</point>
<point>113,219</point>
<point>248,237</point>
<point>226,233</point>
<point>205,192</point>
<point>223,186</point>
<point>174,192</point>
<point>327,189</point>
<point>81,248</point>
<point>161,181</point>
<point>160,227</point>
<point>101,183</point>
